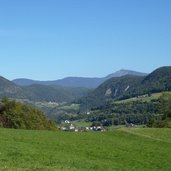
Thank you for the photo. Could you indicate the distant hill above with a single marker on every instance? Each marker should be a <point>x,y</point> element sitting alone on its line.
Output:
<point>78,81</point>
<point>9,89</point>
<point>120,85</point>
<point>38,92</point>
<point>25,82</point>
<point>124,72</point>
<point>129,86</point>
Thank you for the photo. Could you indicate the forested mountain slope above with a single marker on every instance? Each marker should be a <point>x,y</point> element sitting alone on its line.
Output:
<point>86,82</point>
<point>129,86</point>
<point>38,92</point>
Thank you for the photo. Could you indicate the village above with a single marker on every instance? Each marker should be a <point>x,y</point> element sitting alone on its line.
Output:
<point>68,126</point>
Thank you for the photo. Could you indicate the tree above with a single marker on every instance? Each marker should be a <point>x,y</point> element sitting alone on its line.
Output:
<point>165,108</point>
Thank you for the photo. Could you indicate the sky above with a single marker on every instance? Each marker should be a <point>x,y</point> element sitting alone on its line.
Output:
<point>53,39</point>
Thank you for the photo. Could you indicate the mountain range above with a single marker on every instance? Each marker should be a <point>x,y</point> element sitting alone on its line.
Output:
<point>85,82</point>
<point>38,92</point>
<point>93,91</point>
<point>66,89</point>
<point>128,86</point>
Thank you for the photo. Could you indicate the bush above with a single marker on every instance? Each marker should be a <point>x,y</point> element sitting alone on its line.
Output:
<point>17,115</point>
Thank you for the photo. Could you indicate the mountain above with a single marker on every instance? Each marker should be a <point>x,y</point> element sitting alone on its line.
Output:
<point>78,81</point>
<point>123,72</point>
<point>36,92</point>
<point>24,82</point>
<point>66,82</point>
<point>129,86</point>
<point>160,75</point>
<point>67,89</point>
<point>110,89</point>
<point>8,88</point>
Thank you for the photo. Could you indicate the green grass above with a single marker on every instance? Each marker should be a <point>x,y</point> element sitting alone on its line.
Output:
<point>81,123</point>
<point>159,134</point>
<point>70,107</point>
<point>122,149</point>
<point>153,96</point>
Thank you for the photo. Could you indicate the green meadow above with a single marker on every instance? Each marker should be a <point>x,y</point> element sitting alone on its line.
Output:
<point>131,149</point>
<point>145,98</point>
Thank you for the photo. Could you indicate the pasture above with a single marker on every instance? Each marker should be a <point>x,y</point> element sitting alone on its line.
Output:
<point>121,149</point>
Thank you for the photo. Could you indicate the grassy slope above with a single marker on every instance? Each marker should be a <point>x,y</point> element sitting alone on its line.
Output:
<point>81,123</point>
<point>123,149</point>
<point>153,96</point>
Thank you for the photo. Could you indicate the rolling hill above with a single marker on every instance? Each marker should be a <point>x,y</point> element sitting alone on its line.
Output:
<point>9,89</point>
<point>64,90</point>
<point>129,86</point>
<point>122,85</point>
<point>78,81</point>
<point>38,92</point>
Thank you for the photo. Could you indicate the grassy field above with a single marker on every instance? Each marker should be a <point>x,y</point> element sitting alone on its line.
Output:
<point>147,98</point>
<point>81,123</point>
<point>70,107</point>
<point>123,149</point>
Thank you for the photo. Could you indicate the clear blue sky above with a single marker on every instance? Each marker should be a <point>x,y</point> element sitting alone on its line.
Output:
<point>52,39</point>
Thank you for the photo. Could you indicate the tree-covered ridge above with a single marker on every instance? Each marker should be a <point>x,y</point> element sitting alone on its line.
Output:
<point>86,82</point>
<point>20,116</point>
<point>153,111</point>
<point>38,92</point>
<point>129,86</point>
<point>8,88</point>
<point>165,110</point>
<point>158,80</point>
<point>111,89</point>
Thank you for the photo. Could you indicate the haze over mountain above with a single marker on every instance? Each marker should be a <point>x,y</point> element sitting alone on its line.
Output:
<point>86,82</point>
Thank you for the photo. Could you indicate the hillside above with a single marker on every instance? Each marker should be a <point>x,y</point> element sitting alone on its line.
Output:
<point>78,81</point>
<point>9,89</point>
<point>111,89</point>
<point>38,92</point>
<point>129,86</point>
<point>20,116</point>
<point>124,72</point>
<point>122,149</point>
<point>134,110</point>
<point>117,87</point>
<point>159,79</point>
<point>64,90</point>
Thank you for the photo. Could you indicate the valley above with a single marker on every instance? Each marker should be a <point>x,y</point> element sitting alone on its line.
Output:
<point>123,124</point>
<point>85,85</point>
<point>121,100</point>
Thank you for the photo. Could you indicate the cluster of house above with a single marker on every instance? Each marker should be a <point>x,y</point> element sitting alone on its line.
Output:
<point>68,126</point>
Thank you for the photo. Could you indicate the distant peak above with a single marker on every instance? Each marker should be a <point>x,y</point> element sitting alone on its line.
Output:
<point>126,70</point>
<point>123,72</point>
